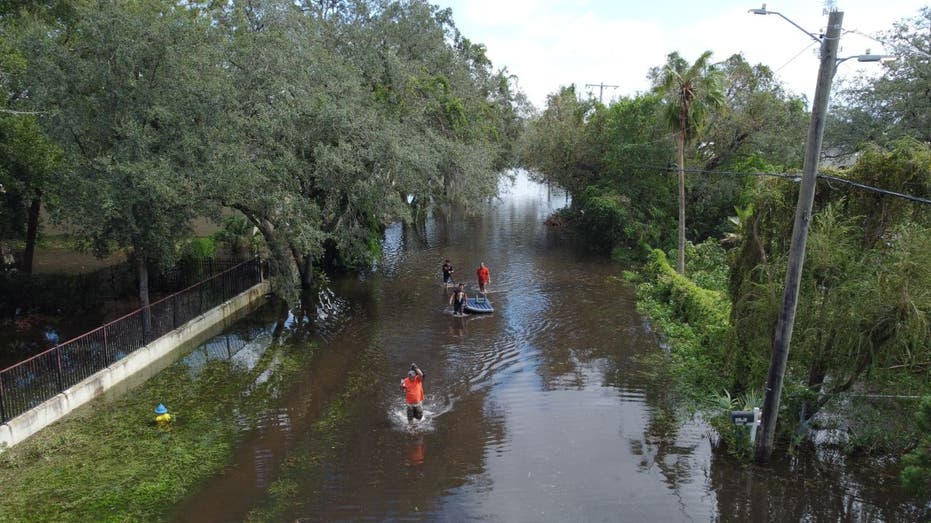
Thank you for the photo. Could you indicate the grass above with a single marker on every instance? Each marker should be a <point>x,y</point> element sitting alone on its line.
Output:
<point>302,470</point>
<point>109,461</point>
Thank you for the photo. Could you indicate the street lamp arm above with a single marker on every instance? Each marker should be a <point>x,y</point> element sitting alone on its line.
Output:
<point>864,58</point>
<point>764,11</point>
<point>840,61</point>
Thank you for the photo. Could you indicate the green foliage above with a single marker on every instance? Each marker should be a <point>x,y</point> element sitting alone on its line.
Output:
<point>863,311</point>
<point>110,462</point>
<point>879,426</point>
<point>904,166</point>
<point>556,145</point>
<point>238,235</point>
<point>734,438</point>
<point>759,120</point>
<point>707,266</point>
<point>198,249</point>
<point>319,125</point>
<point>916,473</point>
<point>694,322</point>
<point>603,217</point>
<point>692,92</point>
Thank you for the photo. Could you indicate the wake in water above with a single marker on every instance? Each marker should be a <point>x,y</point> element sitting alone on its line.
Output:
<point>432,409</point>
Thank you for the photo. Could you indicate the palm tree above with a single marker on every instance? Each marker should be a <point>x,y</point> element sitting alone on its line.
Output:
<point>691,93</point>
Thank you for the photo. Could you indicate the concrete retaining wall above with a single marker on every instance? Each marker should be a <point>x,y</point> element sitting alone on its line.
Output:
<point>141,364</point>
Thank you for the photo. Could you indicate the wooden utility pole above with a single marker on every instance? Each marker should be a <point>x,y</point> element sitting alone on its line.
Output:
<point>601,89</point>
<point>806,197</point>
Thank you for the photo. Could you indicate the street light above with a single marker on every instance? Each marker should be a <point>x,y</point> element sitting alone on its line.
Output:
<point>764,11</point>
<point>806,195</point>
<point>865,58</point>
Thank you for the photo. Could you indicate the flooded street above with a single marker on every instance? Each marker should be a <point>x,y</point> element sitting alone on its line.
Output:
<point>549,409</point>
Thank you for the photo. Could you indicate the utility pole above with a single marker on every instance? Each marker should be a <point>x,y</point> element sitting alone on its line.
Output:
<point>806,196</point>
<point>601,89</point>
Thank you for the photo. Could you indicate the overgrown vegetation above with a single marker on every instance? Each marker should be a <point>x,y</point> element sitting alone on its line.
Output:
<point>110,462</point>
<point>916,474</point>
<point>863,320</point>
<point>692,319</point>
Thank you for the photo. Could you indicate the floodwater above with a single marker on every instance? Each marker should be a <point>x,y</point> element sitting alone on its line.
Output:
<point>549,409</point>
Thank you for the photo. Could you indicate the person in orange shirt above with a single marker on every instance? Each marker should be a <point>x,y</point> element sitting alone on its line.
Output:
<point>484,277</point>
<point>412,385</point>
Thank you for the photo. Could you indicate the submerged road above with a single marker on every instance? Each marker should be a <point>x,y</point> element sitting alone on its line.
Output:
<point>552,408</point>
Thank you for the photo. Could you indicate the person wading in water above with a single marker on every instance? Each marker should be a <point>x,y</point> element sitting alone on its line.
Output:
<point>484,277</point>
<point>412,385</point>
<point>448,273</point>
<point>458,300</point>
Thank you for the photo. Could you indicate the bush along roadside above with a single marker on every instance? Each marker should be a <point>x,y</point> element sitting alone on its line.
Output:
<point>693,323</point>
<point>916,473</point>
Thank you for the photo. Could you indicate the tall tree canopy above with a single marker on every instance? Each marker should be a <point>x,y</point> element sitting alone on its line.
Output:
<point>320,122</point>
<point>127,88</point>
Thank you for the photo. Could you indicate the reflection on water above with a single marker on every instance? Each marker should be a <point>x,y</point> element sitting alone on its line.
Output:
<point>546,410</point>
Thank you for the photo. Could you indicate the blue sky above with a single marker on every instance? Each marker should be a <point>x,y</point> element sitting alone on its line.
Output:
<point>549,43</point>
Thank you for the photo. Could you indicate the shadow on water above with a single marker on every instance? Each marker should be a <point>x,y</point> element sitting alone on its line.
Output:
<point>546,410</point>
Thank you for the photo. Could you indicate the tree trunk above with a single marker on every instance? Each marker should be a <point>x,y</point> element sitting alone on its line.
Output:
<point>32,232</point>
<point>282,260</point>
<point>680,262</point>
<point>307,275</point>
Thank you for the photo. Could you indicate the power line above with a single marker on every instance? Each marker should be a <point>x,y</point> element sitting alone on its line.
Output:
<point>807,47</point>
<point>798,177</point>
<point>875,189</point>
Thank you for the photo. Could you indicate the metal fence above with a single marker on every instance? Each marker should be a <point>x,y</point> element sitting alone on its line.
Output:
<point>35,380</point>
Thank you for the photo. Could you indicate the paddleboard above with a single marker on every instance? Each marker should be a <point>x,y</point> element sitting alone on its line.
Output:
<point>478,305</point>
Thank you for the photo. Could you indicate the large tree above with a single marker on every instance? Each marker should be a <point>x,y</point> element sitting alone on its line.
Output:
<point>883,108</point>
<point>320,122</point>
<point>28,159</point>
<point>128,89</point>
<point>691,92</point>
<point>759,119</point>
<point>347,116</point>
<point>761,126</point>
<point>556,144</point>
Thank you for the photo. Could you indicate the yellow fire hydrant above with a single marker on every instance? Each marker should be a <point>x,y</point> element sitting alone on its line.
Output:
<point>162,416</point>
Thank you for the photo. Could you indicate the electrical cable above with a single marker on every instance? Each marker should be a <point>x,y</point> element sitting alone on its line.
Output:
<point>798,177</point>
<point>807,47</point>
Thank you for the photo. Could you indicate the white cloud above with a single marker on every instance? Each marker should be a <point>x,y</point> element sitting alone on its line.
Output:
<point>548,43</point>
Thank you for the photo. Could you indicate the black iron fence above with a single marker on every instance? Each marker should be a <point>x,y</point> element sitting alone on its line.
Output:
<point>35,380</point>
